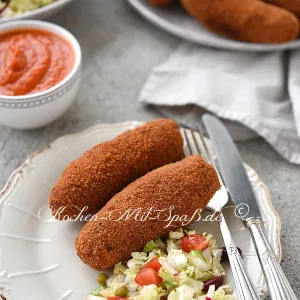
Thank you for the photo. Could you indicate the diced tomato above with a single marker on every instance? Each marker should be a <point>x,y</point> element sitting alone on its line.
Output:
<point>153,264</point>
<point>147,277</point>
<point>194,242</point>
<point>116,298</point>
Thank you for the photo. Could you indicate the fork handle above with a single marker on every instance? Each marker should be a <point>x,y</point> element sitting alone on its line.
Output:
<point>244,286</point>
<point>279,287</point>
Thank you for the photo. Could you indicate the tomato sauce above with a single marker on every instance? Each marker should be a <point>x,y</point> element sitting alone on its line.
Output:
<point>32,61</point>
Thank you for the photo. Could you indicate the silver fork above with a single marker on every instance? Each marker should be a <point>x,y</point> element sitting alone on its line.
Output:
<point>244,286</point>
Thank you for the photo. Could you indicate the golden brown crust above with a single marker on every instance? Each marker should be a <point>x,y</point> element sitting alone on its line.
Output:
<point>290,5</point>
<point>187,185</point>
<point>245,20</point>
<point>92,179</point>
<point>160,2</point>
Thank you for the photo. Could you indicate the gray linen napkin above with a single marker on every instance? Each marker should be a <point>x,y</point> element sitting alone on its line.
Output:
<point>261,91</point>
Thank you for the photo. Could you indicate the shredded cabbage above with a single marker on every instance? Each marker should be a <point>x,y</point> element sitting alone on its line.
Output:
<point>183,274</point>
<point>221,295</point>
<point>149,292</point>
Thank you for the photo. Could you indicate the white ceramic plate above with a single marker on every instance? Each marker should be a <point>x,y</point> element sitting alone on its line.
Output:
<point>176,21</point>
<point>38,259</point>
<point>42,13</point>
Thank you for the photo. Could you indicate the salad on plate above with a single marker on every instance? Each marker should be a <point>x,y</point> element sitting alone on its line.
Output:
<point>184,266</point>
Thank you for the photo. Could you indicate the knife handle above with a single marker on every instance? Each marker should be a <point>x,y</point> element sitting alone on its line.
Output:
<point>279,287</point>
<point>244,286</point>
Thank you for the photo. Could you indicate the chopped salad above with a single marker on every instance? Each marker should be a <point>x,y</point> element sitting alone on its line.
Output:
<point>185,266</point>
<point>18,7</point>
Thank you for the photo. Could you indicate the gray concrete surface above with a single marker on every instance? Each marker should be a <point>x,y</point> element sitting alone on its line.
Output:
<point>119,50</point>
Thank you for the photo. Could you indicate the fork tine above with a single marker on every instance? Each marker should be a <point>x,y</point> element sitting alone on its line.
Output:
<point>210,156</point>
<point>187,141</point>
<point>195,142</point>
<point>204,143</point>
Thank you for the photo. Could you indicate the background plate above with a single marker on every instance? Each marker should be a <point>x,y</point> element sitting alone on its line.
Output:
<point>38,259</point>
<point>176,21</point>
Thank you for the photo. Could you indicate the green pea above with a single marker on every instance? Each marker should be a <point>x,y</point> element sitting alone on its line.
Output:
<point>102,278</point>
<point>122,292</point>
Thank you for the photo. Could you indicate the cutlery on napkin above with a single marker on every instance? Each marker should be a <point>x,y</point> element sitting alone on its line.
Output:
<point>258,90</point>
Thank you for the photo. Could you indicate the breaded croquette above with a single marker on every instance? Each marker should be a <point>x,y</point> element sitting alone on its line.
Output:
<point>147,209</point>
<point>290,5</point>
<point>92,179</point>
<point>245,20</point>
<point>160,2</point>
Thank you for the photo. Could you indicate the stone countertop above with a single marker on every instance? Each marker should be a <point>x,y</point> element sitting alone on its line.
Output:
<point>119,50</point>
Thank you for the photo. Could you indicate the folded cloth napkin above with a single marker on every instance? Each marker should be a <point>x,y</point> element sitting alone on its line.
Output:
<point>258,90</point>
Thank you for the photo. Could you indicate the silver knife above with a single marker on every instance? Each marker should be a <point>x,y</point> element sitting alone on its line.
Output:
<point>240,189</point>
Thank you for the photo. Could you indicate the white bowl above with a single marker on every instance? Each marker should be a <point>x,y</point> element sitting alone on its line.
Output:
<point>36,110</point>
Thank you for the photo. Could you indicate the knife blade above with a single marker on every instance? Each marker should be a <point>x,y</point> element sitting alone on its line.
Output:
<point>232,169</point>
<point>234,176</point>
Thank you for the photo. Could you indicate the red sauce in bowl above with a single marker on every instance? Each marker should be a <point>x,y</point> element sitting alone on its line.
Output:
<point>32,61</point>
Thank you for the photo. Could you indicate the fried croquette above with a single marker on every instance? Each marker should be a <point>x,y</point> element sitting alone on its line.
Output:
<point>147,209</point>
<point>290,5</point>
<point>91,180</point>
<point>245,20</point>
<point>160,2</point>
